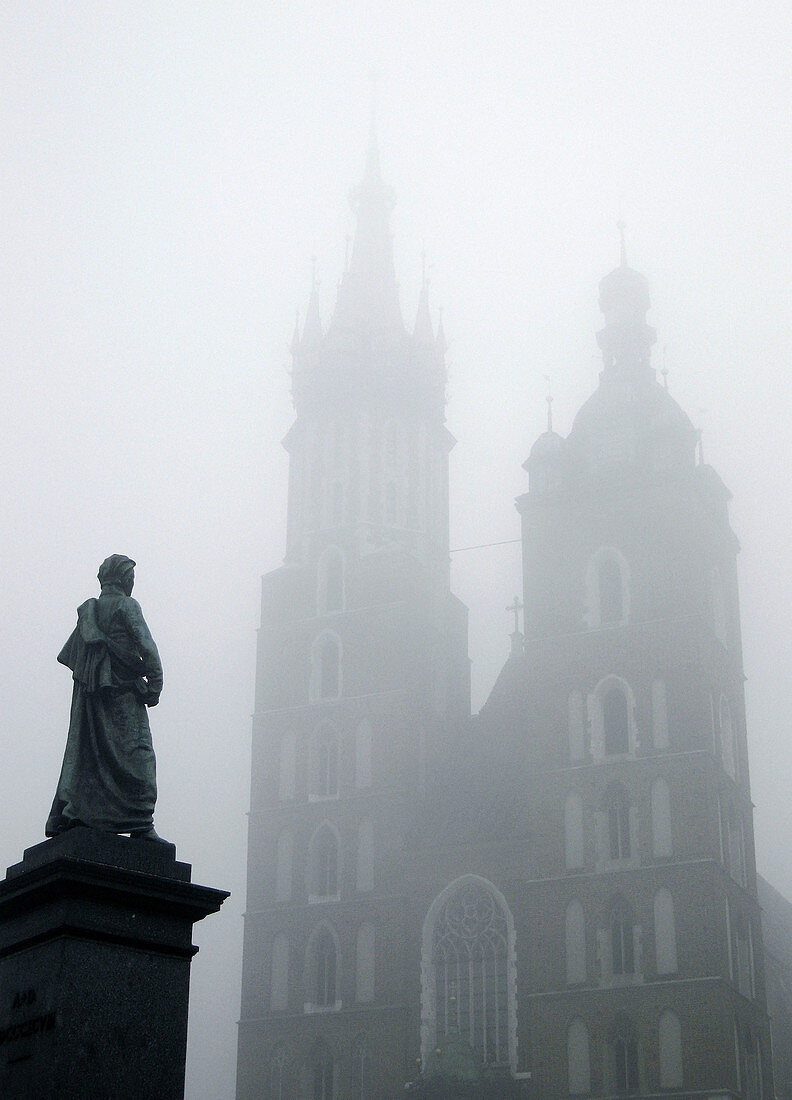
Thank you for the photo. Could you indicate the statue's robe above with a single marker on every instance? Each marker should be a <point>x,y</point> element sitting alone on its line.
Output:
<point>108,780</point>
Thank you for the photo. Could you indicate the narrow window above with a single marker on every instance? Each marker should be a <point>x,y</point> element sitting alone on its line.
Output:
<point>619,843</point>
<point>325,970</point>
<point>616,723</point>
<point>665,932</point>
<point>323,1077</point>
<point>670,1036</point>
<point>625,1061</point>
<point>622,949</point>
<point>610,592</point>
<point>575,944</point>
<point>662,839</point>
<point>578,1059</point>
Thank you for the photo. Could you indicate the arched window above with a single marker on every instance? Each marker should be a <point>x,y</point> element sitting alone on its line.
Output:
<point>665,932</point>
<point>287,766</point>
<point>577,728</point>
<point>578,1060</point>
<point>611,603</point>
<point>575,944</point>
<point>619,832</point>
<point>670,1036</point>
<point>283,867</point>
<point>728,754</point>
<point>330,581</point>
<point>360,1069</point>
<point>323,960</point>
<point>615,722</point>
<point>659,715</point>
<point>323,864</point>
<point>322,1068</point>
<point>607,589</point>
<point>573,832</point>
<point>363,755</point>
<point>325,667</point>
<point>469,972</point>
<point>325,763</point>
<point>622,940</point>
<point>365,857</point>
<point>662,838</point>
<point>623,1058</point>
<point>279,984</point>
<point>365,959</point>
<point>281,1083</point>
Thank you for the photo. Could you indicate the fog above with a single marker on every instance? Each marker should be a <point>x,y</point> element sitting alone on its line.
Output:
<point>170,169</point>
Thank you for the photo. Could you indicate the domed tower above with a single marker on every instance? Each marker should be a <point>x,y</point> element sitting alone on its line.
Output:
<point>362,667</point>
<point>640,969</point>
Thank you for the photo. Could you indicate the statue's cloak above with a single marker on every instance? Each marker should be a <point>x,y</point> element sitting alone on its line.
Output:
<point>108,779</point>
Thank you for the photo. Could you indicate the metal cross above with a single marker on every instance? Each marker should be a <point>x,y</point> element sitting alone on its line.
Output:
<point>516,608</point>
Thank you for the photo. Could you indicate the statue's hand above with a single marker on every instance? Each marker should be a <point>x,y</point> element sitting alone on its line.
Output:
<point>152,699</point>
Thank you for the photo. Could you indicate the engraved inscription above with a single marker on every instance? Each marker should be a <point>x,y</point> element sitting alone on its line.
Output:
<point>37,1025</point>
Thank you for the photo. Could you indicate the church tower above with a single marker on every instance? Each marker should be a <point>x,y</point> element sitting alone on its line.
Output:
<point>641,971</point>
<point>362,670</point>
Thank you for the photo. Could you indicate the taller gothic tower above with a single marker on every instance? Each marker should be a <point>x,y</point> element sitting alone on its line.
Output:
<point>362,669</point>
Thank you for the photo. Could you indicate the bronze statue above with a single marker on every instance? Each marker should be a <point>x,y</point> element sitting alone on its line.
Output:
<point>108,780</point>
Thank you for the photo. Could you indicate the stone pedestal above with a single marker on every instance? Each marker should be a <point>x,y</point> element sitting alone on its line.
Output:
<point>95,951</point>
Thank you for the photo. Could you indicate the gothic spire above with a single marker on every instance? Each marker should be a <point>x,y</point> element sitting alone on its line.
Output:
<point>368,299</point>
<point>424,331</point>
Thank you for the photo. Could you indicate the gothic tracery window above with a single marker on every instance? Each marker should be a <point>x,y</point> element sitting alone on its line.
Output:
<point>470,958</point>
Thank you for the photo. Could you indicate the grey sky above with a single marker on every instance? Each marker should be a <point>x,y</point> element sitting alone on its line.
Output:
<point>169,169</point>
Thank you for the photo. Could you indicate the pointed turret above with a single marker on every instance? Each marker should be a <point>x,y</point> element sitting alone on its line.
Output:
<point>423,333</point>
<point>368,298</point>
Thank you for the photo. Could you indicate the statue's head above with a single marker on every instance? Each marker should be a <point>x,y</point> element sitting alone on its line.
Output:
<point>117,571</point>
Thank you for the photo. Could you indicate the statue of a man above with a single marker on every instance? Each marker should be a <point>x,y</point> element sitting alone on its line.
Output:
<point>108,780</point>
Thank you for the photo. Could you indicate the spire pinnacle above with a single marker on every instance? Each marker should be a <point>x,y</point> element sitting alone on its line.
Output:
<point>423,330</point>
<point>368,299</point>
